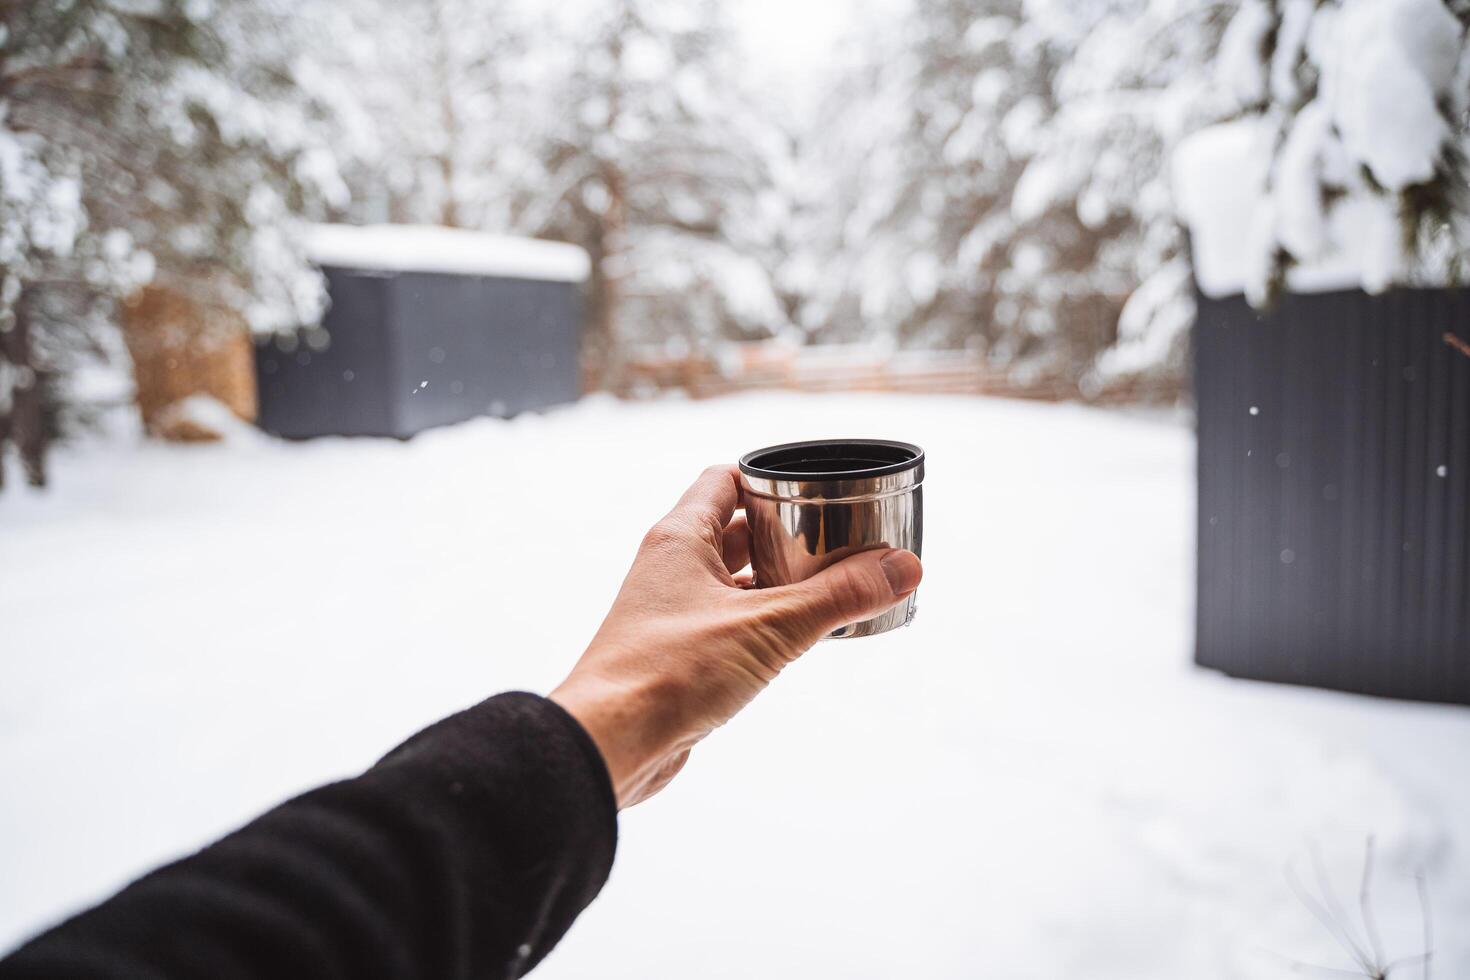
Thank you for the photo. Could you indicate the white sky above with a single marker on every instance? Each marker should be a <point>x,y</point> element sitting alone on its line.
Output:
<point>793,43</point>
<point>792,36</point>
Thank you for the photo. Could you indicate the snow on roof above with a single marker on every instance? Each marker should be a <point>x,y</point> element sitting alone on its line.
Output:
<point>428,248</point>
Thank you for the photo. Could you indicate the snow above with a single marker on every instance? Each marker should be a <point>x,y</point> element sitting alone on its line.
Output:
<point>208,414</point>
<point>1220,185</point>
<point>1238,64</point>
<point>1299,176</point>
<point>1392,62</point>
<point>1152,320</point>
<point>1042,184</point>
<point>1291,39</point>
<point>40,211</point>
<point>1031,781</point>
<point>1362,95</point>
<point>426,248</point>
<point>1219,178</point>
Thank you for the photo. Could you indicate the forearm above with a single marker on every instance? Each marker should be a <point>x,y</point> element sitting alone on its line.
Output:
<point>466,852</point>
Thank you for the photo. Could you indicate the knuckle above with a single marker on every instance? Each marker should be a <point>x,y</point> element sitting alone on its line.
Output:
<point>661,536</point>
<point>711,532</point>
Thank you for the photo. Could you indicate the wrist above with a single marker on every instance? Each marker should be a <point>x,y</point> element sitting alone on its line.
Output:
<point>616,716</point>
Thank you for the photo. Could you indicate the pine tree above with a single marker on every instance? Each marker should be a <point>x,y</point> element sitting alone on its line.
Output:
<point>163,141</point>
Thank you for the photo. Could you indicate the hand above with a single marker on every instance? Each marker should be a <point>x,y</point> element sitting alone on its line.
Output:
<point>688,643</point>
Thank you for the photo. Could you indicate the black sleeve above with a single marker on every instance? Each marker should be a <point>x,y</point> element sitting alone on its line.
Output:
<point>466,852</point>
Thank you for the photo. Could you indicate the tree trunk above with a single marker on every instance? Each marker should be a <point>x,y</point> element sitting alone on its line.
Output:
<point>22,397</point>
<point>613,240</point>
<point>449,215</point>
<point>606,357</point>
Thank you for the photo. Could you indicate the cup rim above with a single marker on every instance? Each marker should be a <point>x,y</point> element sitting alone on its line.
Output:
<point>754,464</point>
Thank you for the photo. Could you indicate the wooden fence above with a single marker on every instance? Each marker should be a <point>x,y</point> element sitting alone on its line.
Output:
<point>768,366</point>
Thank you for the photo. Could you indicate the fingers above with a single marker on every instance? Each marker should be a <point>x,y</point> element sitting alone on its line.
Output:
<point>713,497</point>
<point>853,589</point>
<point>735,544</point>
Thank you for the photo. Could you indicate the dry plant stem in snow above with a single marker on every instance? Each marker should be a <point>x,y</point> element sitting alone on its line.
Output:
<point>1366,951</point>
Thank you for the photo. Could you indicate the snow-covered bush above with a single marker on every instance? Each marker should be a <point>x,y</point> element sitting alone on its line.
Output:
<point>1342,158</point>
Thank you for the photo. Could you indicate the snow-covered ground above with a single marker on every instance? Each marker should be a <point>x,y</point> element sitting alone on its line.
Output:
<point>1032,781</point>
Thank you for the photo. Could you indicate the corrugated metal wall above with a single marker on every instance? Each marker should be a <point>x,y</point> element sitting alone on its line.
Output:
<point>411,350</point>
<point>1334,492</point>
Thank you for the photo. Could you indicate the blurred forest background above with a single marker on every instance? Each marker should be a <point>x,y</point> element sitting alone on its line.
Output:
<point>981,177</point>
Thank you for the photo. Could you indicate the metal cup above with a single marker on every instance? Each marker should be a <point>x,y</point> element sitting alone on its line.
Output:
<point>810,504</point>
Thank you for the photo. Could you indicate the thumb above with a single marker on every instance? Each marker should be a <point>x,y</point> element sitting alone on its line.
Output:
<point>853,589</point>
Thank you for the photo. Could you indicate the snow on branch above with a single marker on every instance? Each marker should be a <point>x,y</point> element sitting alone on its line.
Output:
<point>1342,164</point>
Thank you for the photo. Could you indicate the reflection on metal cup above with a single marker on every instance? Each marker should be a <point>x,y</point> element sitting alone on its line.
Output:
<point>810,504</point>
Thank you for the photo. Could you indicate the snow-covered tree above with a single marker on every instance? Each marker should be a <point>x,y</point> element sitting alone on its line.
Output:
<point>1010,190</point>
<point>1129,85</point>
<point>646,160</point>
<point>968,222</point>
<point>431,105</point>
<point>852,169</point>
<point>1358,114</point>
<point>146,139</point>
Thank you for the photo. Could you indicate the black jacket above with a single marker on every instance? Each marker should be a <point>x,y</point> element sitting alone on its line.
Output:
<point>466,852</point>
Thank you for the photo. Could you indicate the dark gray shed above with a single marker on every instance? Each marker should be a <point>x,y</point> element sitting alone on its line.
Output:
<point>1334,434</point>
<point>426,326</point>
<point>1334,491</point>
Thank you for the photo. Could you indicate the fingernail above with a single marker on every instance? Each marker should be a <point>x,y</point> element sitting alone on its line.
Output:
<point>903,571</point>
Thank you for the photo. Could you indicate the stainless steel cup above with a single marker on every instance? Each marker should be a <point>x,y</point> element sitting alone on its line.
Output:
<point>810,504</point>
